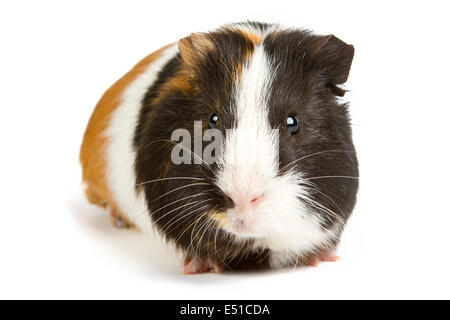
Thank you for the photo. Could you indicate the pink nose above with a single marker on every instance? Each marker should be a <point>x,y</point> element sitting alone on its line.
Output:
<point>243,202</point>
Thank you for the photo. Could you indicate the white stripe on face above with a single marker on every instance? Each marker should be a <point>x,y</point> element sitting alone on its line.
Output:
<point>251,147</point>
<point>267,206</point>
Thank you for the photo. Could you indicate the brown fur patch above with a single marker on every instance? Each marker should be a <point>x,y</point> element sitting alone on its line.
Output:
<point>93,148</point>
<point>178,83</point>
<point>250,36</point>
<point>194,45</point>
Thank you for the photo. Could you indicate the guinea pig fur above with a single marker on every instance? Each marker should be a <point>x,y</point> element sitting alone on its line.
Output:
<point>283,182</point>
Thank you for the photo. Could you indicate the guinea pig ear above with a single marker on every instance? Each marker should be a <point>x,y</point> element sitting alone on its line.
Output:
<point>333,55</point>
<point>194,47</point>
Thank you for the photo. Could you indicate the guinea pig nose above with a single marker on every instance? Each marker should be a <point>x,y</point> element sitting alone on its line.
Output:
<point>242,202</point>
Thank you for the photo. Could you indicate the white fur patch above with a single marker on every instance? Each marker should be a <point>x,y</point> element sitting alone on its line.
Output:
<point>120,152</point>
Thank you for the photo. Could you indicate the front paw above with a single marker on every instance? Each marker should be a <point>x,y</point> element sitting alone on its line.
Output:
<point>314,261</point>
<point>198,266</point>
<point>118,220</point>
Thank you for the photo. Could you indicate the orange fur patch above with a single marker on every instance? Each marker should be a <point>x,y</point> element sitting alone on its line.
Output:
<point>251,36</point>
<point>178,83</point>
<point>93,148</point>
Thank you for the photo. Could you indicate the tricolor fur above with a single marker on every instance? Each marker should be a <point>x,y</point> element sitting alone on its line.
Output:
<point>271,199</point>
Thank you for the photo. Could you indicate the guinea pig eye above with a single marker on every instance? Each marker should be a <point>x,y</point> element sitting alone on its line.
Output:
<point>292,124</point>
<point>213,120</point>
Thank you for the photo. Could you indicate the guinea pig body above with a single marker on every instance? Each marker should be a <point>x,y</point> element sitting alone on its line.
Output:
<point>283,180</point>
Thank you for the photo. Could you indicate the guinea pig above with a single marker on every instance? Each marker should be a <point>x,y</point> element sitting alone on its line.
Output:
<point>281,181</point>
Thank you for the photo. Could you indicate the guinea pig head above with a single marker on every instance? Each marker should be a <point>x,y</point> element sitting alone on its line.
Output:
<point>285,173</point>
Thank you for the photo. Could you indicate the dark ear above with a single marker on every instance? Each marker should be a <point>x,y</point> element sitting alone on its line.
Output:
<point>333,55</point>
<point>194,47</point>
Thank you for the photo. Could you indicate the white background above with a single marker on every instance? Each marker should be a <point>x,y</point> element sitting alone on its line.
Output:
<point>57,58</point>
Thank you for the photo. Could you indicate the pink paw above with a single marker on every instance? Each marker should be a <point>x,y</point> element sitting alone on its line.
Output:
<point>197,266</point>
<point>324,257</point>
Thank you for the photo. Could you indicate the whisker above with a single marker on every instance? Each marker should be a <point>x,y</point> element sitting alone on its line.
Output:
<point>179,188</point>
<point>328,197</point>
<point>152,213</point>
<point>319,206</point>
<point>326,177</point>
<point>187,207</point>
<point>213,214</point>
<point>179,99</point>
<point>182,217</point>
<point>327,211</point>
<point>186,229</point>
<point>195,225</point>
<point>192,232</point>
<point>314,154</point>
<point>170,178</point>
<point>184,198</point>
<point>296,262</point>
<point>215,247</point>
<point>208,223</point>
<point>265,256</point>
